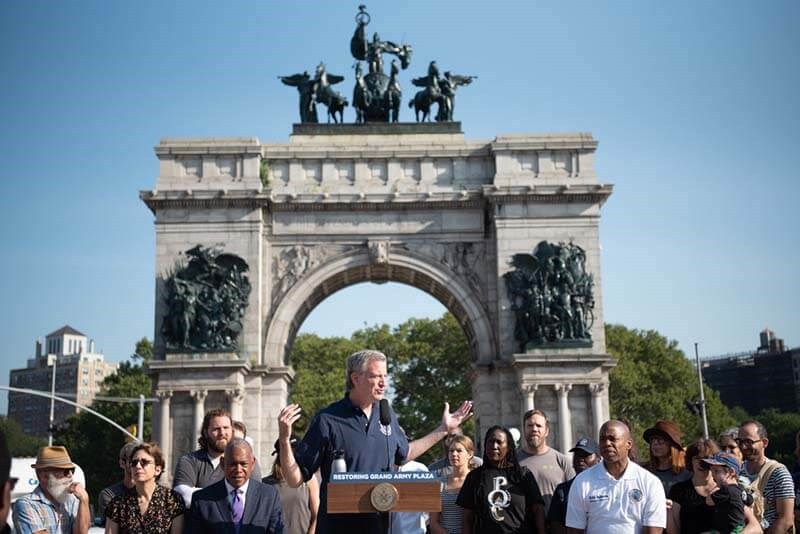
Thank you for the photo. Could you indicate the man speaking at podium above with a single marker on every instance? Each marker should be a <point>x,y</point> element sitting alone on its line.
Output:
<point>352,427</point>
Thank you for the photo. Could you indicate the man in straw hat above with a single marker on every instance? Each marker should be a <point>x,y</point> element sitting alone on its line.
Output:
<point>57,505</point>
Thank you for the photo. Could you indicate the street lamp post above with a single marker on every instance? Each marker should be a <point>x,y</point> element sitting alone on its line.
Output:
<point>702,394</point>
<point>52,402</point>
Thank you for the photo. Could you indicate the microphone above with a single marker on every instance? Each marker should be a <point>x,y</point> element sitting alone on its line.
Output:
<point>386,421</point>
<point>386,417</point>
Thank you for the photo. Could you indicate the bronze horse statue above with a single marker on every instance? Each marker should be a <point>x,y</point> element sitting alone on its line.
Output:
<point>325,94</point>
<point>431,93</point>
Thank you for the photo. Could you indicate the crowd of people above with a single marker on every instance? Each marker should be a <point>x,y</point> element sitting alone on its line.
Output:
<point>723,486</point>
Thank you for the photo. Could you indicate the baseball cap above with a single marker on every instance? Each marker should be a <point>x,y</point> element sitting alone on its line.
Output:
<point>724,458</point>
<point>587,445</point>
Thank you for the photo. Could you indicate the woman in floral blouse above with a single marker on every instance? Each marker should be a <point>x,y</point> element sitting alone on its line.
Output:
<point>147,508</point>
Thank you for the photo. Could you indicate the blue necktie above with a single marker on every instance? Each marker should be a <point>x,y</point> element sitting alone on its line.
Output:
<point>237,509</point>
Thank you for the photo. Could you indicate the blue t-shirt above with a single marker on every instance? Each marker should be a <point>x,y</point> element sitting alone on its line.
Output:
<point>342,426</point>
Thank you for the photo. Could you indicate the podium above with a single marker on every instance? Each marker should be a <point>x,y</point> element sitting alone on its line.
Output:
<point>363,493</point>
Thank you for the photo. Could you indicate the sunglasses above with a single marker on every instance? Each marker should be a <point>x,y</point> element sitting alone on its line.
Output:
<point>747,442</point>
<point>61,473</point>
<point>143,461</point>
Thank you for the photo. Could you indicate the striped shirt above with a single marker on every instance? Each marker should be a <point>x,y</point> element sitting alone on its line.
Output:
<point>450,517</point>
<point>34,512</point>
<point>779,487</point>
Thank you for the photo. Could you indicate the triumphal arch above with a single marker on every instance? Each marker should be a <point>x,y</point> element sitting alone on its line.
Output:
<point>251,236</point>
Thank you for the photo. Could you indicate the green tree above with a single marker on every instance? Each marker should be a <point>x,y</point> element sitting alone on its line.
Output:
<point>782,429</point>
<point>19,443</point>
<point>319,374</point>
<point>143,352</point>
<point>652,380</point>
<point>93,443</point>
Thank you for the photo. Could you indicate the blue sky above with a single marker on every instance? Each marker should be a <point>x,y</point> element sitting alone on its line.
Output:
<point>694,105</point>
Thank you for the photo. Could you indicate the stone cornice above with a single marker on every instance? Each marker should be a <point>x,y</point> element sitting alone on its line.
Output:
<point>578,141</point>
<point>199,146</point>
<point>387,205</point>
<point>388,201</point>
<point>549,194</point>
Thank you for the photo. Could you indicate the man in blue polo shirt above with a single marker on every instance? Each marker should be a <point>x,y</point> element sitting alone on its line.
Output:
<point>352,427</point>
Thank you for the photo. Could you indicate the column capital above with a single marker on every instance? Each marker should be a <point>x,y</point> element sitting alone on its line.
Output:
<point>235,395</point>
<point>531,388</point>
<point>563,388</point>
<point>597,388</point>
<point>199,395</point>
<point>164,394</point>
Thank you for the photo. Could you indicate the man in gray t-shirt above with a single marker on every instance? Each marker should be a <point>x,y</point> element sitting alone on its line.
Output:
<point>201,468</point>
<point>549,467</point>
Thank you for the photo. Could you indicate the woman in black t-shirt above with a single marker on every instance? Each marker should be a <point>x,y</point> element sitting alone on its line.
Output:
<point>501,497</point>
<point>689,513</point>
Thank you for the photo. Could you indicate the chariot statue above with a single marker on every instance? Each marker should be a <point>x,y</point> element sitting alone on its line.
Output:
<point>376,96</point>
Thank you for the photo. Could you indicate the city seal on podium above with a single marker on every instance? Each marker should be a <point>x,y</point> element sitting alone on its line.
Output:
<point>383,497</point>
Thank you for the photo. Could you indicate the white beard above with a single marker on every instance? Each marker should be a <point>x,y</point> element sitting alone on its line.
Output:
<point>59,488</point>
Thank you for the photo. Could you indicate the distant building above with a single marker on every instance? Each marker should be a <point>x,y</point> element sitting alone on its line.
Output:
<point>79,374</point>
<point>768,377</point>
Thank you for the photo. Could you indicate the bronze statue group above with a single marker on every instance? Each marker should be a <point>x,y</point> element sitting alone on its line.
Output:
<point>376,95</point>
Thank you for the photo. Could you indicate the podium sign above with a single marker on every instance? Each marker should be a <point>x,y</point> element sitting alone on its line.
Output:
<point>363,493</point>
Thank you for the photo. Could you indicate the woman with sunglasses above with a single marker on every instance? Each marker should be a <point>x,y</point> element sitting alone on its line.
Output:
<point>147,508</point>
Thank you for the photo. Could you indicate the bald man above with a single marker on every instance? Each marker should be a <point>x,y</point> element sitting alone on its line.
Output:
<point>237,503</point>
<point>616,496</point>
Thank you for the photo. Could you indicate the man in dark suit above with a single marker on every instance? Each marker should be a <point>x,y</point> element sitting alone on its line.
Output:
<point>238,504</point>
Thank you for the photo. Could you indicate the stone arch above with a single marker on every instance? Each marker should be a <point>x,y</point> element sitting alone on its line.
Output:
<point>355,267</point>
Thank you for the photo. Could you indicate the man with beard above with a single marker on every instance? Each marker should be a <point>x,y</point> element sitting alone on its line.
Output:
<point>616,496</point>
<point>201,468</point>
<point>57,505</point>
<point>549,466</point>
<point>771,478</point>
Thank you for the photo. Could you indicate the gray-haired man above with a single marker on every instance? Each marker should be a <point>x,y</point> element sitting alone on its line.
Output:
<point>352,426</point>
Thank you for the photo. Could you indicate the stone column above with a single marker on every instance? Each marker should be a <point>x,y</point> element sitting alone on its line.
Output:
<point>164,438</point>
<point>530,394</point>
<point>564,420</point>
<point>199,396</point>
<point>236,401</point>
<point>598,418</point>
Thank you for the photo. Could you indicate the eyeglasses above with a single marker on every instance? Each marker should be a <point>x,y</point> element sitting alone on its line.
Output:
<point>136,461</point>
<point>747,442</point>
<point>730,448</point>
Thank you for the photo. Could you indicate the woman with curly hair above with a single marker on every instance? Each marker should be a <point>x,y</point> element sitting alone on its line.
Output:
<point>147,508</point>
<point>500,496</point>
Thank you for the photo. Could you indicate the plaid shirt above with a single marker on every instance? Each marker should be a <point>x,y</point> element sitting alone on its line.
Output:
<point>34,512</point>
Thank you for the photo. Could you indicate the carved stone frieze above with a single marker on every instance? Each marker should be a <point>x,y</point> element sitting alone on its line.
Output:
<point>291,263</point>
<point>463,259</point>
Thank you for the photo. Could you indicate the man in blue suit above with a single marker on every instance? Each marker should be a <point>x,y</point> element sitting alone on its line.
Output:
<point>236,505</point>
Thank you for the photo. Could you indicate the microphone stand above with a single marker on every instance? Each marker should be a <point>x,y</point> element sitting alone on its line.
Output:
<point>385,517</point>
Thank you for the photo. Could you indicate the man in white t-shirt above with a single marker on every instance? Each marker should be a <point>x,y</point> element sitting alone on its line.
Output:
<point>616,495</point>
